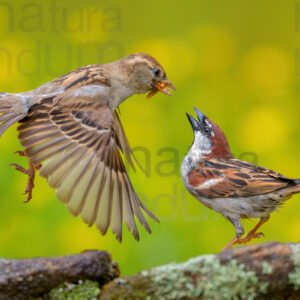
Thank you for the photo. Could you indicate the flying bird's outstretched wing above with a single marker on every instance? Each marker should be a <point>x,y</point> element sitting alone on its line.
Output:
<point>79,140</point>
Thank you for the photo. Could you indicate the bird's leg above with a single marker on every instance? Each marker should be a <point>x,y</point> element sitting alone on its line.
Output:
<point>31,175</point>
<point>253,234</point>
<point>230,244</point>
<point>239,232</point>
<point>30,183</point>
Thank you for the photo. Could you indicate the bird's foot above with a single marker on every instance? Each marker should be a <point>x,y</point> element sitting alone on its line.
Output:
<point>250,236</point>
<point>31,175</point>
<point>20,153</point>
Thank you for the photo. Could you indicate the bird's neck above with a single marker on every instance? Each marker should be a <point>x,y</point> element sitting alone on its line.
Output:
<point>199,151</point>
<point>192,158</point>
<point>201,147</point>
<point>119,93</point>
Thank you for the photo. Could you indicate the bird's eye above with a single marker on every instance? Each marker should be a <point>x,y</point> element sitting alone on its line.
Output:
<point>156,72</point>
<point>207,129</point>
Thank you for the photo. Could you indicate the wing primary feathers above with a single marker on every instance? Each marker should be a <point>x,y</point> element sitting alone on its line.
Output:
<point>101,184</point>
<point>135,206</point>
<point>100,197</point>
<point>111,190</point>
<point>39,159</point>
<point>59,180</point>
<point>128,214</point>
<point>91,182</point>
<point>149,213</point>
<point>87,191</point>
<point>79,177</point>
<point>104,209</point>
<point>79,140</point>
<point>68,181</point>
<point>39,148</point>
<point>49,167</point>
<point>116,211</point>
<point>122,139</point>
<point>76,185</point>
<point>124,142</point>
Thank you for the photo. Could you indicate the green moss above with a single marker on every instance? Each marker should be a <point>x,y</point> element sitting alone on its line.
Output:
<point>294,277</point>
<point>205,277</point>
<point>84,290</point>
<point>266,268</point>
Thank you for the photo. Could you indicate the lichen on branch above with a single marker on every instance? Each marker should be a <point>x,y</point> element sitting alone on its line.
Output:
<point>264,271</point>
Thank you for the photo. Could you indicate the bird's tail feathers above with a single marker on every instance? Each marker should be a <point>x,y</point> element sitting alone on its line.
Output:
<point>13,108</point>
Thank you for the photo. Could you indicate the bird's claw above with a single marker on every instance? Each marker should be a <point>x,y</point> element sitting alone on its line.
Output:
<point>28,192</point>
<point>21,153</point>
<point>19,168</point>
<point>250,236</point>
<point>31,174</point>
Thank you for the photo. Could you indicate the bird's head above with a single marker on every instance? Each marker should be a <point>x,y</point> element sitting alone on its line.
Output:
<point>209,139</point>
<point>145,74</point>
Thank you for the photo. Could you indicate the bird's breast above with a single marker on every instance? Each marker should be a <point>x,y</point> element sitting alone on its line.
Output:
<point>187,166</point>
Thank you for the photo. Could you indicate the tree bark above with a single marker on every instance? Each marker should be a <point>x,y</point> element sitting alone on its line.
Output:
<point>263,271</point>
<point>22,279</point>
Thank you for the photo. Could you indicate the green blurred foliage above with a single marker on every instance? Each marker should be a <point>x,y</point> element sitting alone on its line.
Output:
<point>235,60</point>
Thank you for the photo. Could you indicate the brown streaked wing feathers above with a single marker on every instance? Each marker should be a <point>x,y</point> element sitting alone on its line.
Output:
<point>124,145</point>
<point>237,179</point>
<point>76,141</point>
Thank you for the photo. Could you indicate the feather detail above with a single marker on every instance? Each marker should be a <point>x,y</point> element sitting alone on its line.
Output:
<point>13,108</point>
<point>77,142</point>
<point>215,178</point>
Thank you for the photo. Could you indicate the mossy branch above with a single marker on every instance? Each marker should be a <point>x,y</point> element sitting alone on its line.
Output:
<point>22,279</point>
<point>264,271</point>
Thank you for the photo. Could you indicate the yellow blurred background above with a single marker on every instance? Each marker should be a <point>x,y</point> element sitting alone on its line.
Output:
<point>237,61</point>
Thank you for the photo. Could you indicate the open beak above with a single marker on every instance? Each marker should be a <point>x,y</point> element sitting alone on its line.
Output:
<point>197,124</point>
<point>193,121</point>
<point>162,86</point>
<point>200,115</point>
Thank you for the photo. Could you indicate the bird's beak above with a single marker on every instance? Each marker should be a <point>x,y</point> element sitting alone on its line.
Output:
<point>162,86</point>
<point>193,121</point>
<point>200,115</point>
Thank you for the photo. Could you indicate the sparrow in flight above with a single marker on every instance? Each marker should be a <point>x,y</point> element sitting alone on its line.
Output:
<point>234,188</point>
<point>71,125</point>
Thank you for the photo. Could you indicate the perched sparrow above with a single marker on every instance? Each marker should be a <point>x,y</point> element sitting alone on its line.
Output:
<point>236,189</point>
<point>72,126</point>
